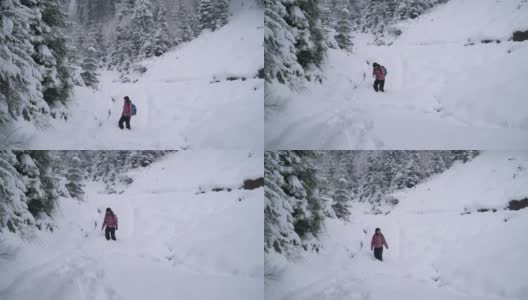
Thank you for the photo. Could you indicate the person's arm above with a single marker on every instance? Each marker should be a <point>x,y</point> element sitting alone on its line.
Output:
<point>116,221</point>
<point>104,223</point>
<point>372,243</point>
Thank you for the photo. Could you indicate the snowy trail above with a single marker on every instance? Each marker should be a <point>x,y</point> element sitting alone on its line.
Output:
<point>336,115</point>
<point>404,274</point>
<point>444,89</point>
<point>172,242</point>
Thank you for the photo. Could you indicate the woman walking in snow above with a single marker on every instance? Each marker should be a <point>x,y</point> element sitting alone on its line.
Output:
<point>378,240</point>
<point>378,73</point>
<point>127,113</point>
<point>110,221</point>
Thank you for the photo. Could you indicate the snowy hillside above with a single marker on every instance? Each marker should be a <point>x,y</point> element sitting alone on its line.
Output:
<point>440,246</point>
<point>177,238</point>
<point>455,81</point>
<point>205,93</point>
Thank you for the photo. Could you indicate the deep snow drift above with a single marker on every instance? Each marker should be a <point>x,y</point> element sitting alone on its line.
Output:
<point>445,89</point>
<point>436,251</point>
<point>177,239</point>
<point>184,100</point>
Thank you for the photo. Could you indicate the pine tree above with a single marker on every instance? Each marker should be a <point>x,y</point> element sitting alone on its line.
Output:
<point>122,48</point>
<point>279,233</point>
<point>74,179</point>
<point>161,37</point>
<point>343,28</point>
<point>221,10</point>
<point>96,40</point>
<point>293,209</point>
<point>184,19</point>
<point>14,214</point>
<point>280,58</point>
<point>41,194</point>
<point>89,66</point>
<point>51,52</point>
<point>341,199</point>
<point>294,41</point>
<point>20,81</point>
<point>304,16</point>
<point>207,15</point>
<point>142,24</point>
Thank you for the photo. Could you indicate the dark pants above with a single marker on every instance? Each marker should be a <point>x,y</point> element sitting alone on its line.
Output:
<point>379,84</point>
<point>110,232</point>
<point>378,253</point>
<point>126,120</point>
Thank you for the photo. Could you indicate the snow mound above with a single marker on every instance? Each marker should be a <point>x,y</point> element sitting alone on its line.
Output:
<point>466,21</point>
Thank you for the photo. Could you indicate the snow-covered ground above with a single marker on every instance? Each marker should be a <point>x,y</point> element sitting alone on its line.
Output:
<point>434,252</point>
<point>180,104</point>
<point>444,89</point>
<point>173,242</point>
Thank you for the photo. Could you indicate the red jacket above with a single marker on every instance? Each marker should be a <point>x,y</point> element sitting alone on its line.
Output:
<point>127,109</point>
<point>378,240</point>
<point>110,221</point>
<point>378,72</point>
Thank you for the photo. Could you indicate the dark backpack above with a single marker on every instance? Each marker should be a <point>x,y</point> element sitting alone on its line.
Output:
<point>134,109</point>
<point>384,70</point>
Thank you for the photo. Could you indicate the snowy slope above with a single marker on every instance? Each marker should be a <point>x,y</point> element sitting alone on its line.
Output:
<point>173,242</point>
<point>435,251</point>
<point>444,90</point>
<point>183,100</point>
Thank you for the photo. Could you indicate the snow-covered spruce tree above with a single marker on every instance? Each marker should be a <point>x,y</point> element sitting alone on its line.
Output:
<point>293,213</point>
<point>161,38</point>
<point>14,213</point>
<point>75,178</point>
<point>213,14</point>
<point>304,17</point>
<point>51,53</point>
<point>377,15</point>
<point>97,41</point>
<point>184,18</point>
<point>122,49</point>
<point>142,25</point>
<point>293,39</point>
<point>342,198</point>
<point>343,29</point>
<point>280,59</point>
<point>20,81</point>
<point>221,8</point>
<point>207,15</point>
<point>35,167</point>
<point>89,68</point>
<point>337,173</point>
<point>338,19</point>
